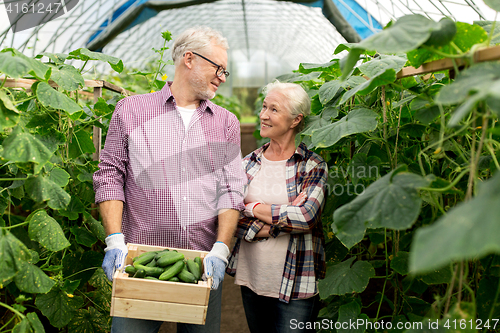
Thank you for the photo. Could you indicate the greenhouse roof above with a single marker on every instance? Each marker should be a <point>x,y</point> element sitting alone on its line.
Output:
<point>266,37</point>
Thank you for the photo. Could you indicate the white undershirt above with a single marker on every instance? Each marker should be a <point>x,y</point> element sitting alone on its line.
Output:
<point>261,264</point>
<point>186,115</point>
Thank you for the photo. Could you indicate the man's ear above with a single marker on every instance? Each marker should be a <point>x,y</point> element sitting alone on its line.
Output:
<point>188,59</point>
<point>296,121</point>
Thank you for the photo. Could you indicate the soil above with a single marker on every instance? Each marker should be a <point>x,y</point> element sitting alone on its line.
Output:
<point>232,317</point>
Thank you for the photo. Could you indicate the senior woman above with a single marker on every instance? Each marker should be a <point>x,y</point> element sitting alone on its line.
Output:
<point>279,252</point>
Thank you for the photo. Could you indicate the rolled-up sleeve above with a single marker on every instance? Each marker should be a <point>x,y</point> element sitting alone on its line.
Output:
<point>232,177</point>
<point>302,219</point>
<point>110,178</point>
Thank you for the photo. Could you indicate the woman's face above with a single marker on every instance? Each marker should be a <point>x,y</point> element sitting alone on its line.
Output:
<point>275,117</point>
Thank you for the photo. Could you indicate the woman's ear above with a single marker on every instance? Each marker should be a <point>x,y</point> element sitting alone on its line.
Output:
<point>296,121</point>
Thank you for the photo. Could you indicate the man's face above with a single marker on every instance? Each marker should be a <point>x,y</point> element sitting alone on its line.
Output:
<point>204,80</point>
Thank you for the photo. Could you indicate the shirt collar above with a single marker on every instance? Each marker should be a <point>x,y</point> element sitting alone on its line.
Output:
<point>166,95</point>
<point>300,151</point>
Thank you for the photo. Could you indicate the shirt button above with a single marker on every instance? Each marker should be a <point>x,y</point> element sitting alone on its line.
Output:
<point>184,198</point>
<point>184,228</point>
<point>184,169</point>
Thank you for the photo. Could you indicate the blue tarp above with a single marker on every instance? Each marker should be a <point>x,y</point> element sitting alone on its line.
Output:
<point>356,20</point>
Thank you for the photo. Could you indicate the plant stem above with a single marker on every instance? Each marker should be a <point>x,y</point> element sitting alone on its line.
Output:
<point>11,179</point>
<point>14,226</point>
<point>443,54</point>
<point>460,281</point>
<point>12,309</point>
<point>493,156</point>
<point>83,66</point>
<point>384,116</point>
<point>472,174</point>
<point>490,35</point>
<point>449,187</point>
<point>83,270</point>
<point>450,290</point>
<point>483,136</point>
<point>386,274</point>
<point>3,82</point>
<point>397,137</point>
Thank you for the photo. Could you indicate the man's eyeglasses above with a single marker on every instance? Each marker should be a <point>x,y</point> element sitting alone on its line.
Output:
<point>219,71</point>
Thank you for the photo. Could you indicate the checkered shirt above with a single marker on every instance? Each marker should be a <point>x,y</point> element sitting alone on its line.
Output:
<point>305,258</point>
<point>173,182</point>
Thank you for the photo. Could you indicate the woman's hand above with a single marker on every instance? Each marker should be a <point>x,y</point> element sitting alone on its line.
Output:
<point>301,198</point>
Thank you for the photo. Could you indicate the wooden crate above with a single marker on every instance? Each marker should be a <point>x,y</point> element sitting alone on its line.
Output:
<point>159,300</point>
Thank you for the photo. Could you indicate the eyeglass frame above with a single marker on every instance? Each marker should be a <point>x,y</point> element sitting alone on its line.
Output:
<point>219,67</point>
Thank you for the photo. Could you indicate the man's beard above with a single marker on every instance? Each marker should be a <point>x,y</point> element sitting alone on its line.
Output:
<point>200,87</point>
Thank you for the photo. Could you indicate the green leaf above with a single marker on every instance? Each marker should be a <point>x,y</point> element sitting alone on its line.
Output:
<point>32,279</point>
<point>36,67</point>
<point>57,58</point>
<point>24,147</point>
<point>408,33</point>
<point>469,230</point>
<point>46,231</point>
<point>36,324</point>
<point>13,66</point>
<point>444,34</point>
<point>357,121</point>
<point>329,89</point>
<point>80,143</point>
<point>83,236</point>
<point>12,253</point>
<point>363,166</point>
<point>99,280</point>
<point>67,77</point>
<point>425,111</point>
<point>59,176</point>
<point>350,313</point>
<point>58,307</point>
<point>49,97</point>
<point>22,327</point>
<point>89,321</point>
<point>485,298</point>
<point>493,4</point>
<point>42,188</point>
<point>390,202</point>
<point>342,279</point>
<point>438,276</point>
<point>95,226</point>
<point>400,262</point>
<point>85,55</point>
<point>298,77</point>
<point>9,116</point>
<point>308,68</point>
<point>81,266</point>
<point>74,208</point>
<point>487,25</point>
<point>314,123</point>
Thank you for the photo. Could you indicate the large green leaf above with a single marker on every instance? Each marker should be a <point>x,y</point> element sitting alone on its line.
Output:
<point>89,321</point>
<point>391,202</point>
<point>49,97</point>
<point>42,188</point>
<point>12,253</point>
<point>32,279</point>
<point>8,116</point>
<point>342,279</point>
<point>357,121</point>
<point>80,143</point>
<point>329,89</point>
<point>81,266</point>
<point>485,298</point>
<point>493,4</point>
<point>95,226</point>
<point>85,55</point>
<point>67,77</point>
<point>350,313</point>
<point>469,230</point>
<point>57,58</point>
<point>74,208</point>
<point>83,236</point>
<point>59,176</point>
<point>363,166</point>
<point>487,26</point>
<point>13,66</point>
<point>24,147</point>
<point>46,231</point>
<point>58,306</point>
<point>471,86</point>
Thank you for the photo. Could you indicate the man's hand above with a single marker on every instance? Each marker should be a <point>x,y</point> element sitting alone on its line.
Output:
<point>116,252</point>
<point>215,263</point>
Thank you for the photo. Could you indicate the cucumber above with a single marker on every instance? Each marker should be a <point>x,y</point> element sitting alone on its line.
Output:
<point>193,268</point>
<point>130,270</point>
<point>186,276</point>
<point>144,258</point>
<point>200,265</point>
<point>151,271</point>
<point>174,279</point>
<point>151,278</point>
<point>161,253</point>
<point>141,273</point>
<point>172,271</point>
<point>152,263</point>
<point>169,258</point>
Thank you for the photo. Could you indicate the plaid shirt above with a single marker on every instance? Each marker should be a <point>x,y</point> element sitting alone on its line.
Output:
<point>305,258</point>
<point>173,182</point>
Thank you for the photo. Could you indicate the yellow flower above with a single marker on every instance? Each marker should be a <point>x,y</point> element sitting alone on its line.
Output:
<point>330,235</point>
<point>164,77</point>
<point>70,295</point>
<point>152,91</point>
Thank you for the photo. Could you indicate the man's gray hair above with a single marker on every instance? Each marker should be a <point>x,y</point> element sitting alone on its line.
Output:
<point>298,100</point>
<point>197,39</point>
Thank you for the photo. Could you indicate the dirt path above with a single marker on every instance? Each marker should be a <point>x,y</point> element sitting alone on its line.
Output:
<point>233,316</point>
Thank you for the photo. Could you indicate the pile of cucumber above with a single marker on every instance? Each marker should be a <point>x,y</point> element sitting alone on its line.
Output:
<point>165,265</point>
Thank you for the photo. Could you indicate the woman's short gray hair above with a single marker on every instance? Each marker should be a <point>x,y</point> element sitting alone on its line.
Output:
<point>298,100</point>
<point>198,39</point>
